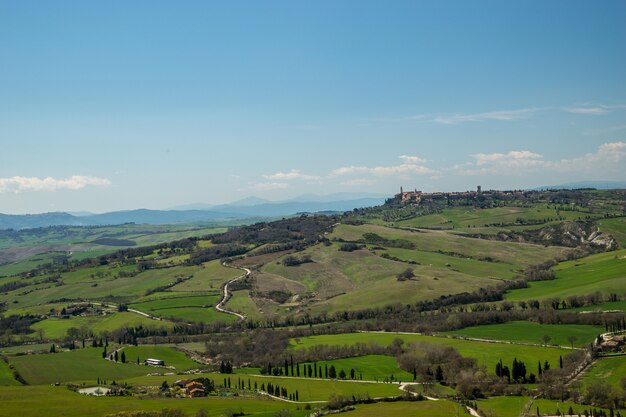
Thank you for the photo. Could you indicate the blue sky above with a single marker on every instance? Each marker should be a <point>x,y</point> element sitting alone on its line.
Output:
<point>120,105</point>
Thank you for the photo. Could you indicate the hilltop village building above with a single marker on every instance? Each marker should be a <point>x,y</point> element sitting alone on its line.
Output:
<point>416,197</point>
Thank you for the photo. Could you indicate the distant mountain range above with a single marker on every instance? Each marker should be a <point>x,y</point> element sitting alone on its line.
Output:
<point>197,213</point>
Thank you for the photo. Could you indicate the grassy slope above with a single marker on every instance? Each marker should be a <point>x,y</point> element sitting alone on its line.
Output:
<point>462,217</point>
<point>608,306</point>
<point>513,406</point>
<point>87,364</point>
<point>530,332</point>
<point>607,370</point>
<point>486,353</point>
<point>210,276</point>
<point>6,376</point>
<point>242,303</point>
<point>406,409</point>
<point>79,365</point>
<point>361,279</point>
<point>80,285</point>
<point>61,402</point>
<point>371,367</point>
<point>55,328</point>
<point>605,272</point>
<point>517,254</point>
<point>186,306</point>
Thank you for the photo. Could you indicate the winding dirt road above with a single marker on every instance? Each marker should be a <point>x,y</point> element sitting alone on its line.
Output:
<point>226,294</point>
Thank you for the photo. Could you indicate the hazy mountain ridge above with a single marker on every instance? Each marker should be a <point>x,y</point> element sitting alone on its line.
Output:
<point>242,209</point>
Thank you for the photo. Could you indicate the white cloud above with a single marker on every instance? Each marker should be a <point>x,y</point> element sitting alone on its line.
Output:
<point>497,115</point>
<point>267,186</point>
<point>608,154</point>
<point>294,174</point>
<point>511,115</point>
<point>607,157</point>
<point>383,170</point>
<point>19,184</point>
<point>587,110</point>
<point>412,159</point>
<point>515,158</point>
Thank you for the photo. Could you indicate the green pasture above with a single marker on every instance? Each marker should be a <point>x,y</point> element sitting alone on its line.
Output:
<point>32,401</point>
<point>82,287</point>
<point>28,264</point>
<point>409,409</point>
<point>96,273</point>
<point>78,365</point>
<point>241,302</point>
<point>187,307</point>
<point>367,368</point>
<point>171,356</point>
<point>209,276</point>
<point>361,279</point>
<point>517,254</point>
<point>309,389</point>
<point>56,328</point>
<point>6,376</point>
<point>173,260</point>
<point>531,332</point>
<point>608,306</point>
<point>29,348</point>
<point>165,300</point>
<point>610,370</point>
<point>485,352</point>
<point>604,272</point>
<point>514,406</point>
<point>471,217</point>
<point>453,263</point>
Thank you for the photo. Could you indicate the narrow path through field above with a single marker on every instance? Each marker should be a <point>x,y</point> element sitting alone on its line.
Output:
<point>226,294</point>
<point>473,339</point>
<point>404,387</point>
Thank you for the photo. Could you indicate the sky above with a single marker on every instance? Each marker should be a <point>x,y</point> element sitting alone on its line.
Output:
<point>153,104</point>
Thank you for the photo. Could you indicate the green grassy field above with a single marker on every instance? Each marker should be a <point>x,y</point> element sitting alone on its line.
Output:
<point>27,249</point>
<point>516,254</point>
<point>486,353</point>
<point>28,264</point>
<point>530,332</point>
<point>361,279</point>
<point>171,356</point>
<point>210,276</point>
<point>56,328</point>
<point>29,348</point>
<point>607,370</point>
<point>80,285</point>
<point>6,376</point>
<point>185,306</point>
<point>513,406</point>
<point>604,272</point>
<point>462,217</point>
<point>309,389</point>
<point>61,402</point>
<point>78,365</point>
<point>608,306</point>
<point>242,303</point>
<point>453,263</point>
<point>406,409</point>
<point>369,368</point>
